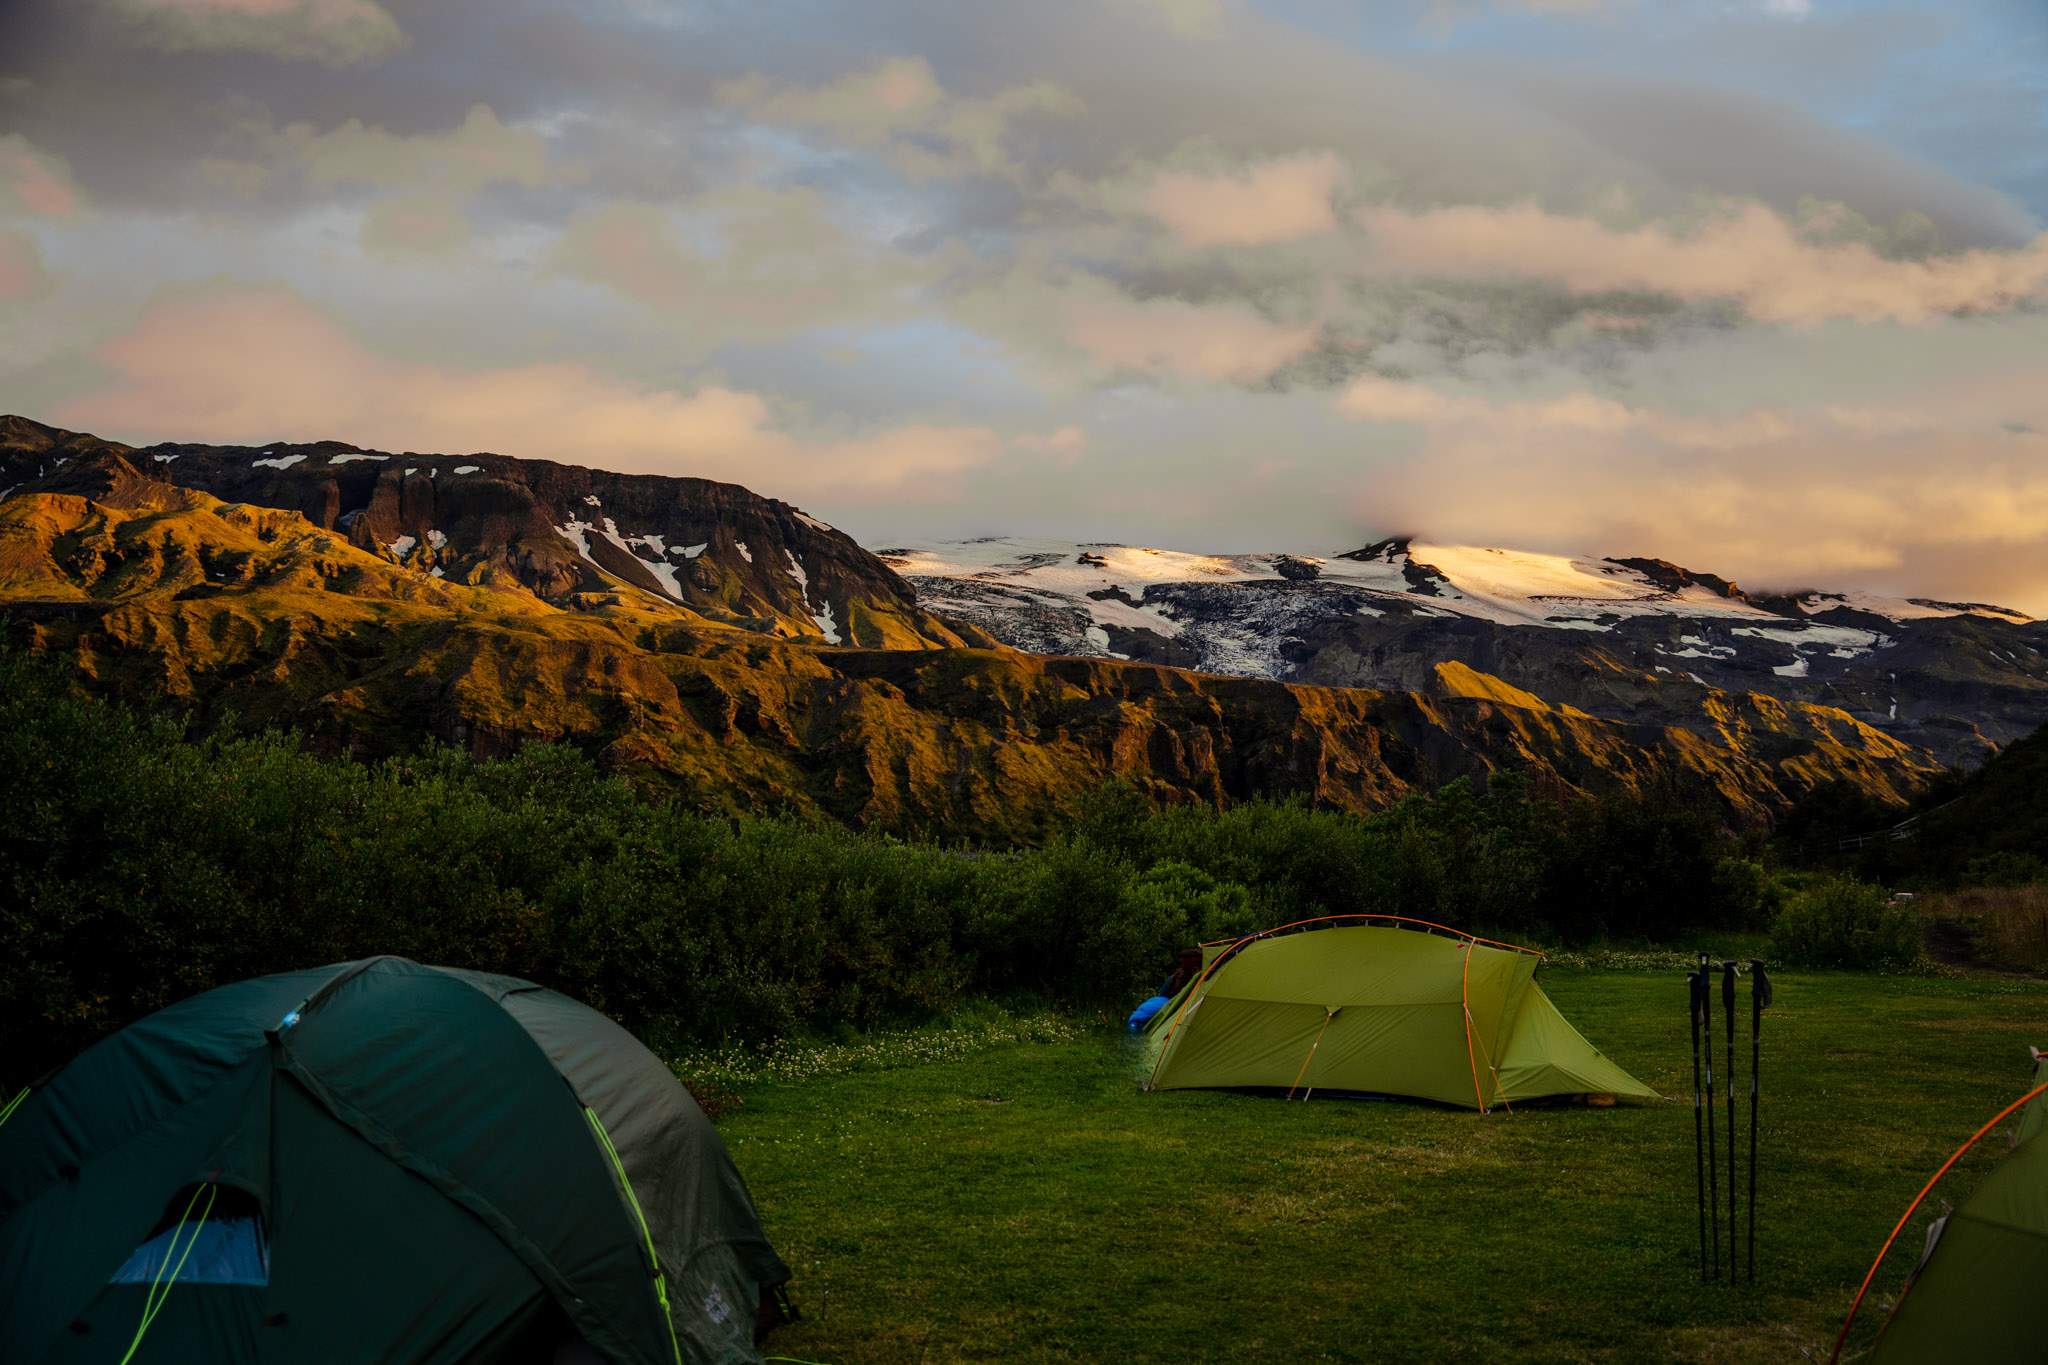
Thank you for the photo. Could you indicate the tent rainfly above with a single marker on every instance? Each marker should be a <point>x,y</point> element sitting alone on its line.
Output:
<point>1382,1005</point>
<point>1976,1293</point>
<point>373,1161</point>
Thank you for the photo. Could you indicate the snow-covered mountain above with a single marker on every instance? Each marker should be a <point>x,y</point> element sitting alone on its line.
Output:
<point>1625,638</point>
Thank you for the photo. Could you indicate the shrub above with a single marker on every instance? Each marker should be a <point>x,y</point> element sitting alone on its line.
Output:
<point>1746,895</point>
<point>1841,922</point>
<point>2008,925</point>
<point>140,864</point>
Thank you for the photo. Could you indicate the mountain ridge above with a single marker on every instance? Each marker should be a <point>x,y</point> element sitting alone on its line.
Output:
<point>1629,639</point>
<point>719,550</point>
<point>152,589</point>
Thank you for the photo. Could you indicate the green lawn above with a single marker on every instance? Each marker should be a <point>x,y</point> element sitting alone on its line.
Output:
<point>1027,1201</point>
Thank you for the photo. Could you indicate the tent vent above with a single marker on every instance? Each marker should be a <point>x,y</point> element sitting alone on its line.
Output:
<point>231,1247</point>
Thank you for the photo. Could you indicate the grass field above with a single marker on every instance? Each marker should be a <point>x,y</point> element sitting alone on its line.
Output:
<point>977,1196</point>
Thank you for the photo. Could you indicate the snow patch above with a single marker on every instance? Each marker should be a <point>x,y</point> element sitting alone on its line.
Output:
<point>691,551</point>
<point>467,468</point>
<point>576,533</point>
<point>1847,642</point>
<point>1796,669</point>
<point>824,618</point>
<point>437,539</point>
<point>745,553</point>
<point>281,462</point>
<point>163,459</point>
<point>344,459</point>
<point>811,521</point>
<point>403,545</point>
<point>591,498</point>
<point>655,558</point>
<point>1906,608</point>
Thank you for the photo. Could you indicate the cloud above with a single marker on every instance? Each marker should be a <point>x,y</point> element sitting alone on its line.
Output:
<point>1751,256</point>
<point>1064,445</point>
<point>301,162</point>
<point>1186,18</point>
<point>1934,496</point>
<point>21,268</point>
<point>34,182</point>
<point>1279,200</point>
<point>422,224</point>
<point>1227,343</point>
<point>244,364</point>
<point>746,261</point>
<point>899,107</point>
<point>479,151</point>
<point>863,106</point>
<point>334,32</point>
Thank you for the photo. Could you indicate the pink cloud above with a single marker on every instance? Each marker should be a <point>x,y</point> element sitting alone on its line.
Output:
<point>1280,200</point>
<point>21,267</point>
<point>33,181</point>
<point>243,364</point>
<point>1752,256</point>
<point>1946,496</point>
<point>1221,343</point>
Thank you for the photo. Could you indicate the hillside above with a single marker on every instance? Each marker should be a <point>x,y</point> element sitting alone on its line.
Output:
<point>155,590</point>
<point>1992,830</point>
<point>724,553</point>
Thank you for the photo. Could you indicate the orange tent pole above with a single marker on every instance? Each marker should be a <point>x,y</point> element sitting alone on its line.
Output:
<point>1494,1072</point>
<point>1328,1015</point>
<point>1400,919</point>
<point>1465,1005</point>
<point>1906,1217</point>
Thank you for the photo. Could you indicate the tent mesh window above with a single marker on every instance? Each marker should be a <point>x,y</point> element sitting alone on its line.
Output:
<point>230,1247</point>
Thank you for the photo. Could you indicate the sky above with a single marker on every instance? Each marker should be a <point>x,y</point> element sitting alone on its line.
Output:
<point>1757,286</point>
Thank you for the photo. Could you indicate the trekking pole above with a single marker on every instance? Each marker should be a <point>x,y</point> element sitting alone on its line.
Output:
<point>1713,1162</point>
<point>1728,1008</point>
<point>1759,1001</point>
<point>1694,987</point>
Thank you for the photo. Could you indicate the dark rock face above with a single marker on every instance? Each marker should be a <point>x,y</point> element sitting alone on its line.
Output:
<point>1296,570</point>
<point>723,552</point>
<point>1672,578</point>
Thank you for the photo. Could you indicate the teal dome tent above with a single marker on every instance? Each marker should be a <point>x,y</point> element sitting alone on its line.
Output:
<point>375,1161</point>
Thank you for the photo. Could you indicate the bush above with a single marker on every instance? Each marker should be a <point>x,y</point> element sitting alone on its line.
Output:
<point>1841,922</point>
<point>140,864</point>
<point>2007,925</point>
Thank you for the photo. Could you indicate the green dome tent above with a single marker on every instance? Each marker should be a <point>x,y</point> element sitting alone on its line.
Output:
<point>1378,1004</point>
<point>376,1161</point>
<point>1976,1293</point>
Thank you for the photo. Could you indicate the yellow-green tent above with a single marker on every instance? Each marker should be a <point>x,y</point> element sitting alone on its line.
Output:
<point>1976,1294</point>
<point>1382,1006</point>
